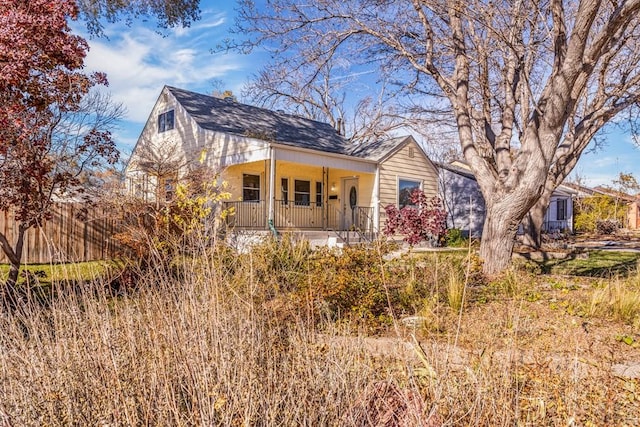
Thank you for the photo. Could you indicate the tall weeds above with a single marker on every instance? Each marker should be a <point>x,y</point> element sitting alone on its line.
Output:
<point>216,337</point>
<point>195,351</point>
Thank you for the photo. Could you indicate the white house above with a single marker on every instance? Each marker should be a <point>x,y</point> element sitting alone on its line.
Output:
<point>283,171</point>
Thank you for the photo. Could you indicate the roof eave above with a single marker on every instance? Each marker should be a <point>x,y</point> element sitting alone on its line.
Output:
<point>324,153</point>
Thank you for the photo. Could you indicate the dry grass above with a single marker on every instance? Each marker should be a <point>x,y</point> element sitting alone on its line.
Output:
<point>207,344</point>
<point>618,298</point>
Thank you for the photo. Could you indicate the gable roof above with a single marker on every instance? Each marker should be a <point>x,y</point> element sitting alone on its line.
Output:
<point>377,150</point>
<point>614,193</point>
<point>229,116</point>
<point>462,171</point>
<point>220,115</point>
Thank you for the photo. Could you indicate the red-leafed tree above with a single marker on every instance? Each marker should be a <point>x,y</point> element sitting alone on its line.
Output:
<point>422,221</point>
<point>42,87</point>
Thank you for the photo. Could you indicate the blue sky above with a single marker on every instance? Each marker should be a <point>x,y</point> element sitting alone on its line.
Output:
<point>139,61</point>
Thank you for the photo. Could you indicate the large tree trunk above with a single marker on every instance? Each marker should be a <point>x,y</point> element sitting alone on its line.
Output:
<point>533,222</point>
<point>498,237</point>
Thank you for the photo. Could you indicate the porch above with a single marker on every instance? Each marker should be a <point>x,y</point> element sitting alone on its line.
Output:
<point>300,191</point>
<point>556,226</point>
<point>290,215</point>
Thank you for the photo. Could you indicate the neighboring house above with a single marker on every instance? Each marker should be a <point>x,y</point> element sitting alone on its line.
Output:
<point>633,214</point>
<point>559,216</point>
<point>466,209</point>
<point>462,199</point>
<point>283,170</point>
<point>625,201</point>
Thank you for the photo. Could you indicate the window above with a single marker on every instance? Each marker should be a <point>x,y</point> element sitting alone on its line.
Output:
<point>561,209</point>
<point>284,190</point>
<point>169,189</point>
<point>405,188</point>
<point>165,121</point>
<point>250,188</point>
<point>319,194</point>
<point>302,192</point>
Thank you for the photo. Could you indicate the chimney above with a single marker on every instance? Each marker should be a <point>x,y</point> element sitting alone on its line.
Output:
<point>339,126</point>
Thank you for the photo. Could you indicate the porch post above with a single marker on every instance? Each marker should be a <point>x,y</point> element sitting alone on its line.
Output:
<point>325,196</point>
<point>376,201</point>
<point>272,190</point>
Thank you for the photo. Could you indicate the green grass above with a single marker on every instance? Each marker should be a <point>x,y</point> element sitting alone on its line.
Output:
<point>596,264</point>
<point>52,273</point>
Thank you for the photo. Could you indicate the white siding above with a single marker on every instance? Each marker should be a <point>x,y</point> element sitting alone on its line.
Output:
<point>188,144</point>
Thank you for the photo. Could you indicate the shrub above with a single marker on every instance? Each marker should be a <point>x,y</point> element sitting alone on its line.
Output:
<point>454,238</point>
<point>423,221</point>
<point>350,283</point>
<point>607,226</point>
<point>590,210</point>
<point>161,232</point>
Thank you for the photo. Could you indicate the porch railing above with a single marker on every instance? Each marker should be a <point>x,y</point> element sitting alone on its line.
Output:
<point>292,214</point>
<point>361,224</point>
<point>302,215</point>
<point>247,214</point>
<point>551,226</point>
<point>365,225</point>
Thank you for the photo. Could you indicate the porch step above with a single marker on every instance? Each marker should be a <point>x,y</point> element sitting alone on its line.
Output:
<point>330,238</point>
<point>243,240</point>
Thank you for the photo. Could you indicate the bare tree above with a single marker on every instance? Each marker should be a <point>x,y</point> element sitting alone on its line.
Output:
<point>528,83</point>
<point>153,167</point>
<point>330,95</point>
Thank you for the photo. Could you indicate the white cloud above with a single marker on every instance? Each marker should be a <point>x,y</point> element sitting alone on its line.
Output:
<point>605,162</point>
<point>139,62</point>
<point>209,19</point>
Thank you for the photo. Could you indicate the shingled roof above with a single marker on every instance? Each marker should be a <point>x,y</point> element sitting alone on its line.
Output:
<point>377,150</point>
<point>457,170</point>
<point>233,117</point>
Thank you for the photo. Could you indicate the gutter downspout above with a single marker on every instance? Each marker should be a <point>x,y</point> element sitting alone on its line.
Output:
<point>272,190</point>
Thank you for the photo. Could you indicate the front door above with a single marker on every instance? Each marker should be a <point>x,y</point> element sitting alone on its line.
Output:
<point>350,195</point>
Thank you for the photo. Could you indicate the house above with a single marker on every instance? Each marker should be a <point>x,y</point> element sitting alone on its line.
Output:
<point>466,208</point>
<point>633,214</point>
<point>624,202</point>
<point>283,171</point>
<point>462,198</point>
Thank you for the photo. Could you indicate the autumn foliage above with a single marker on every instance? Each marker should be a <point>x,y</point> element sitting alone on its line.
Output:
<point>42,84</point>
<point>422,221</point>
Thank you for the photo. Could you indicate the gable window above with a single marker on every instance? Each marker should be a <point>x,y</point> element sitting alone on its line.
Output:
<point>405,188</point>
<point>302,192</point>
<point>284,189</point>
<point>250,188</point>
<point>319,194</point>
<point>561,209</point>
<point>165,121</point>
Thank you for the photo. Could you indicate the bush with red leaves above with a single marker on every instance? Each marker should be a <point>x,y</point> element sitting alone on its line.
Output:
<point>422,221</point>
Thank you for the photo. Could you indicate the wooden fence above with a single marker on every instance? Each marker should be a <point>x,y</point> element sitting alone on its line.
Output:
<point>66,237</point>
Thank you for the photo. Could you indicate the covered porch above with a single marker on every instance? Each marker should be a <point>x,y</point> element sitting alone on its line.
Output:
<point>294,190</point>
